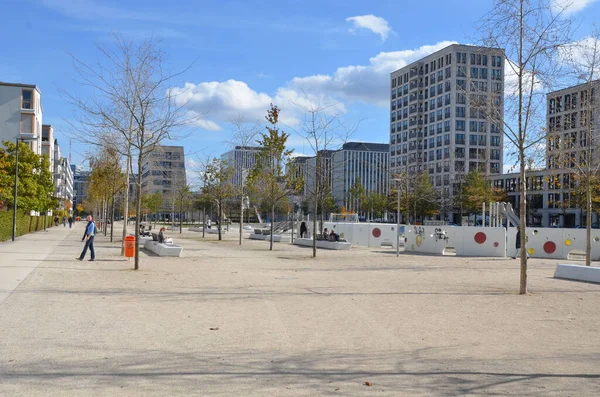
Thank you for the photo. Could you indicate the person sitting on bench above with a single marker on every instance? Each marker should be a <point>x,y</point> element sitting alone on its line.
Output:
<point>333,236</point>
<point>162,238</point>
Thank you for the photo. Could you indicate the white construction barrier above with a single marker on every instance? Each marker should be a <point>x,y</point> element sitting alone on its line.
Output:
<point>367,234</point>
<point>461,241</point>
<point>557,243</point>
<point>576,272</point>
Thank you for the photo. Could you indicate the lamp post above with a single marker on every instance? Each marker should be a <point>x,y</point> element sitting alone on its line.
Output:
<point>22,138</point>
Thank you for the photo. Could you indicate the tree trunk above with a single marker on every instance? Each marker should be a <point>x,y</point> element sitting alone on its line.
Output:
<point>272,226</point>
<point>219,219</point>
<point>203,220</point>
<point>588,224</point>
<point>138,211</point>
<point>112,217</point>
<point>316,204</point>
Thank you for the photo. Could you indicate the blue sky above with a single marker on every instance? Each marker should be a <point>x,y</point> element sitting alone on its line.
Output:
<point>248,53</point>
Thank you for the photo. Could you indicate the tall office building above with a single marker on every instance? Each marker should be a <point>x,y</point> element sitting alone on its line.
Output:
<point>441,115</point>
<point>80,182</point>
<point>163,171</point>
<point>364,162</point>
<point>242,159</point>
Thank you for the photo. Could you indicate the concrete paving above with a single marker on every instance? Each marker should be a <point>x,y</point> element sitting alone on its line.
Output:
<point>225,320</point>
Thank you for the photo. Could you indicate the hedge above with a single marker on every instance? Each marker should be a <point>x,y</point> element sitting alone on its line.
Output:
<point>25,224</point>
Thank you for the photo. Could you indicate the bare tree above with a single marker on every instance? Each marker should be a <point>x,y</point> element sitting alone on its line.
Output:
<point>321,127</point>
<point>132,99</point>
<point>531,34</point>
<point>584,59</point>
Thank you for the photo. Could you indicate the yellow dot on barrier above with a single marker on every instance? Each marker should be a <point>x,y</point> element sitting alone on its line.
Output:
<point>567,242</point>
<point>530,251</point>
<point>419,241</point>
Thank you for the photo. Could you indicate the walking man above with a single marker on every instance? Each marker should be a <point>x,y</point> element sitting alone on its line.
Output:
<point>88,235</point>
<point>70,222</point>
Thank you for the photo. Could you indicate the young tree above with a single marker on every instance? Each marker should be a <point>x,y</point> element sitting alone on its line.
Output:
<point>356,196</point>
<point>133,101</point>
<point>476,190</point>
<point>217,186</point>
<point>531,34</point>
<point>151,203</point>
<point>272,179</point>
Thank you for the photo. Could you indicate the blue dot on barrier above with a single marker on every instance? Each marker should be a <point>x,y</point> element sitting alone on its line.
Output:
<point>401,229</point>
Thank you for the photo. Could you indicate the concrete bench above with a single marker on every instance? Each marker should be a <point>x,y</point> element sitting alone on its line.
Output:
<point>578,272</point>
<point>255,236</point>
<point>142,240</point>
<point>195,229</point>
<point>330,245</point>
<point>162,249</point>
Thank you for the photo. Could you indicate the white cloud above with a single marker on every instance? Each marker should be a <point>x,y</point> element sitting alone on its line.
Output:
<point>373,23</point>
<point>570,6</point>
<point>228,100</point>
<point>583,56</point>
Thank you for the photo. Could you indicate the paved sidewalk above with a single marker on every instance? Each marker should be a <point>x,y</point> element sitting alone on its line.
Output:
<point>19,258</point>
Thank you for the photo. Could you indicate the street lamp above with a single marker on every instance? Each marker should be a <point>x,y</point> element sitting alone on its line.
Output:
<point>242,202</point>
<point>20,138</point>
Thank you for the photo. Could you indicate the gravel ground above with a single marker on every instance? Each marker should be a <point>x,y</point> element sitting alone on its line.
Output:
<point>225,320</point>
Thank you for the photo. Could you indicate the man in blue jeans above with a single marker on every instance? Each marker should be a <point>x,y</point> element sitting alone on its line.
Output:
<point>90,232</point>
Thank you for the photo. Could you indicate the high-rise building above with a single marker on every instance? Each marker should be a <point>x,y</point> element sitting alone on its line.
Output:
<point>241,159</point>
<point>63,177</point>
<point>163,171</point>
<point>447,115</point>
<point>367,163</point>
<point>48,144</point>
<point>21,113</point>
<point>80,181</point>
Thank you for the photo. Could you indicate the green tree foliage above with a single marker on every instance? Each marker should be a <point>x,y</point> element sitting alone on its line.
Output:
<point>476,190</point>
<point>375,204</point>
<point>152,202</point>
<point>217,188</point>
<point>272,180</point>
<point>35,186</point>
<point>356,196</point>
<point>421,198</point>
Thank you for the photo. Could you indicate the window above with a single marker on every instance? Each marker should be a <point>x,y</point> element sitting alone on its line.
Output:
<point>472,126</point>
<point>460,125</point>
<point>494,141</point>
<point>460,111</point>
<point>474,73</point>
<point>472,140</point>
<point>447,126</point>
<point>27,99</point>
<point>483,73</point>
<point>447,139</point>
<point>461,99</point>
<point>482,140</point>
<point>473,154</point>
<point>459,139</point>
<point>461,57</point>
<point>461,84</point>
<point>461,71</point>
<point>448,72</point>
<point>447,86</point>
<point>447,99</point>
<point>460,153</point>
<point>447,113</point>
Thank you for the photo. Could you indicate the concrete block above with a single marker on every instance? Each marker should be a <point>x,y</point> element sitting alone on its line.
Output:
<point>578,272</point>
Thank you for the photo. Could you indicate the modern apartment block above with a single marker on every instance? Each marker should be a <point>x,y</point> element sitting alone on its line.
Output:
<point>364,162</point>
<point>21,113</point>
<point>242,159</point>
<point>163,172</point>
<point>447,114</point>
<point>63,177</point>
<point>80,182</point>
<point>48,144</point>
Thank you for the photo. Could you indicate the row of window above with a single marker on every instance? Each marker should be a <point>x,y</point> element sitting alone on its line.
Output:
<point>567,141</point>
<point>569,101</point>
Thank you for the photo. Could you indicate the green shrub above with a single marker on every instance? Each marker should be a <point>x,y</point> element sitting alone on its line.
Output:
<point>25,224</point>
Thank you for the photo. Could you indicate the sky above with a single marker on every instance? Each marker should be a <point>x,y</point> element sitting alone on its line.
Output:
<point>244,55</point>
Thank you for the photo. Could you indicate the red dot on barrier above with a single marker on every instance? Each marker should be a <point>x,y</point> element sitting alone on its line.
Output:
<point>376,232</point>
<point>480,237</point>
<point>549,247</point>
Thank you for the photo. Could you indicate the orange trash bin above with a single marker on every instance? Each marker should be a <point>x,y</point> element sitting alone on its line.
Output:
<point>130,246</point>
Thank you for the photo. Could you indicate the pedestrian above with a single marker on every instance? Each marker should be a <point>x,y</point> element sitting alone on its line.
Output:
<point>56,220</point>
<point>518,244</point>
<point>303,230</point>
<point>88,236</point>
<point>64,221</point>
<point>70,222</point>
<point>208,223</point>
